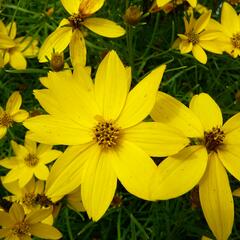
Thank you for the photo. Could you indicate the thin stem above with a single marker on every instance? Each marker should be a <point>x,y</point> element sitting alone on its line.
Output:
<point>70,235</point>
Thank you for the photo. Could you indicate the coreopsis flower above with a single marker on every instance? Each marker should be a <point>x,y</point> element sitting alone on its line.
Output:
<point>161,3</point>
<point>103,122</point>
<point>12,113</point>
<point>19,48</point>
<point>214,149</point>
<point>196,38</point>
<point>29,160</point>
<point>70,30</point>
<point>16,225</point>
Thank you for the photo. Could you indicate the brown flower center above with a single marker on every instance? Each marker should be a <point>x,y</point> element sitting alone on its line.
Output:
<point>213,139</point>
<point>236,40</point>
<point>193,37</point>
<point>31,160</point>
<point>76,20</point>
<point>5,120</point>
<point>29,199</point>
<point>106,134</point>
<point>21,228</point>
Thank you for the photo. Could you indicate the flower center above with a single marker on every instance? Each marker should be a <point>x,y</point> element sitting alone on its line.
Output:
<point>29,199</point>
<point>43,200</point>
<point>193,37</point>
<point>5,120</point>
<point>236,40</point>
<point>106,134</point>
<point>21,228</point>
<point>213,138</point>
<point>31,160</point>
<point>76,20</point>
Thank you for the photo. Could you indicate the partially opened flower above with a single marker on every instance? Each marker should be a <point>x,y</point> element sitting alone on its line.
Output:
<point>29,160</point>
<point>196,38</point>
<point>161,3</point>
<point>20,47</point>
<point>16,225</point>
<point>214,149</point>
<point>104,123</point>
<point>12,114</point>
<point>70,30</point>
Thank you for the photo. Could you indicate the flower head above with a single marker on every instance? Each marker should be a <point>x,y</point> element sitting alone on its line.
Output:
<point>70,30</point>
<point>18,225</point>
<point>214,149</point>
<point>29,160</point>
<point>14,50</point>
<point>12,114</point>
<point>103,122</point>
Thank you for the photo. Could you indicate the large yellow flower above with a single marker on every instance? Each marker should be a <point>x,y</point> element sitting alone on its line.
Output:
<point>20,47</point>
<point>161,3</point>
<point>214,148</point>
<point>104,122</point>
<point>12,114</point>
<point>30,160</point>
<point>16,225</point>
<point>70,33</point>
<point>196,38</point>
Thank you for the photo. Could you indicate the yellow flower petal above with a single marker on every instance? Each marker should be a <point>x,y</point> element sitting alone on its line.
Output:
<point>66,173</point>
<point>25,175</point>
<point>98,186</point>
<point>169,110</point>
<point>20,116</point>
<point>88,7</point>
<point>3,28</point>
<point>17,60</point>
<point>199,54</point>
<point>178,174</point>
<point>38,215</point>
<point>45,231</point>
<point>141,99</point>
<point>156,139</point>
<point>16,212</point>
<point>12,30</point>
<point>41,171</point>
<point>12,175</point>
<point>52,130</point>
<point>161,3</point>
<point>3,131</point>
<point>111,86</point>
<point>193,3</point>
<point>78,51</point>
<point>134,168</point>
<point>6,42</point>
<point>211,46</point>
<point>209,116</point>
<point>71,6</point>
<point>5,220</point>
<point>232,124</point>
<point>27,46</point>
<point>52,42</point>
<point>5,232</point>
<point>49,156</point>
<point>202,22</point>
<point>236,192</point>
<point>185,46</point>
<point>14,102</point>
<point>31,146</point>
<point>9,163</point>
<point>104,27</point>
<point>216,198</point>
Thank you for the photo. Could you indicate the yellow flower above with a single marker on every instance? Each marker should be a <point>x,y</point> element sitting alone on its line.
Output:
<point>16,225</point>
<point>196,38</point>
<point>30,160</point>
<point>161,3</point>
<point>70,30</point>
<point>12,114</point>
<point>214,148</point>
<point>104,123</point>
<point>21,47</point>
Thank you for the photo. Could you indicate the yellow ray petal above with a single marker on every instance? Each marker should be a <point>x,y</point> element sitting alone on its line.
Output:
<point>104,27</point>
<point>12,175</point>
<point>71,6</point>
<point>25,176</point>
<point>17,60</point>
<point>199,54</point>
<point>156,139</point>
<point>193,3</point>
<point>66,173</point>
<point>5,220</point>
<point>16,212</point>
<point>12,30</point>
<point>202,22</point>
<point>210,116</point>
<point>185,46</point>
<point>232,124</point>
<point>52,130</point>
<point>41,172</point>
<point>3,28</point>
<point>38,215</point>
<point>161,3</point>
<point>134,168</point>
<point>3,131</point>
<point>216,198</point>
<point>14,102</point>
<point>169,110</point>
<point>20,116</point>
<point>31,146</point>
<point>78,51</point>
<point>88,7</point>
<point>111,86</point>
<point>98,186</point>
<point>9,163</point>
<point>48,156</point>
<point>27,46</point>
<point>52,43</point>
<point>212,46</point>
<point>6,42</point>
<point>141,99</point>
<point>178,174</point>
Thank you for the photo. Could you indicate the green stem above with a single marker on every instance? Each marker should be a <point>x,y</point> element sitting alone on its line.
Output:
<point>130,46</point>
<point>70,235</point>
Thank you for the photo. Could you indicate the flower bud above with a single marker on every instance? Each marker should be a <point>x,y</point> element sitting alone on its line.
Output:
<point>133,15</point>
<point>57,62</point>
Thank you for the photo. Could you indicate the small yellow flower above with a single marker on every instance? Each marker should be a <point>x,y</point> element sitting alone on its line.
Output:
<point>196,38</point>
<point>161,3</point>
<point>12,114</point>
<point>30,160</point>
<point>70,30</point>
<point>103,122</point>
<point>16,225</point>
<point>15,52</point>
<point>214,149</point>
